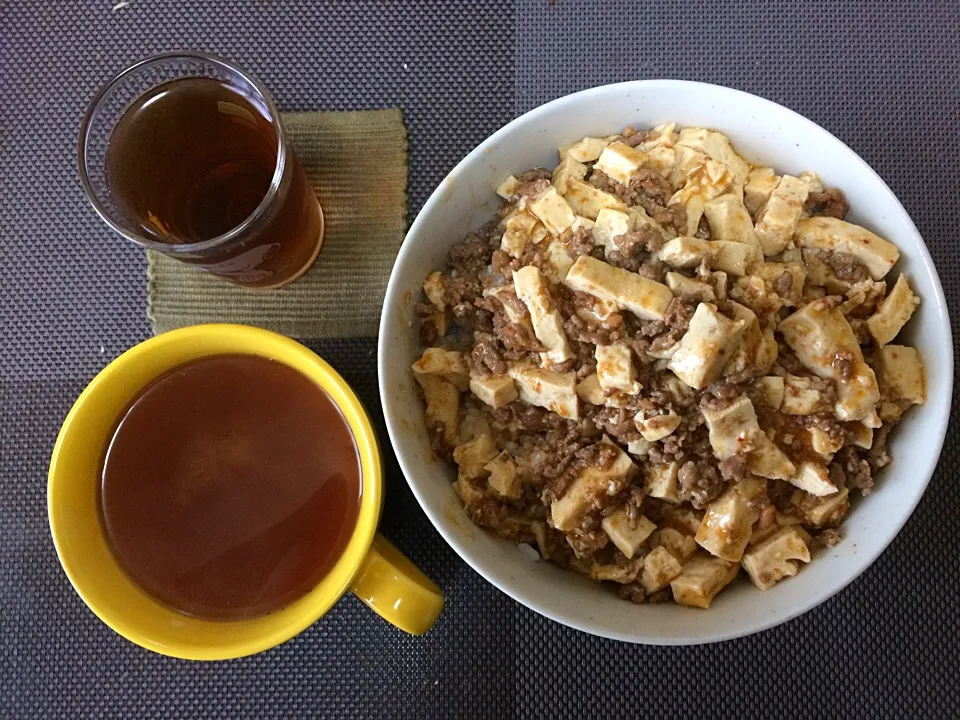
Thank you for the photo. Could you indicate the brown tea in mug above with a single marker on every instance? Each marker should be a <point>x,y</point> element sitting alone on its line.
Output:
<point>192,159</point>
<point>230,487</point>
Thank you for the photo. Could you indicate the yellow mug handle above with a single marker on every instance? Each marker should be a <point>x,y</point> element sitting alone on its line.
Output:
<point>396,589</point>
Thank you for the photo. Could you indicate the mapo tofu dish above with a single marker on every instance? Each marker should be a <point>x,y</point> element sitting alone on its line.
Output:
<point>661,364</point>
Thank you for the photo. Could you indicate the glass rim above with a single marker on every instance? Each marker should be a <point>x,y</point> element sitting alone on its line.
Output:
<point>203,245</point>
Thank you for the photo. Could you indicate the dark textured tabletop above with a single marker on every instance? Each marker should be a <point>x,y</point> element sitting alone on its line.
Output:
<point>883,76</point>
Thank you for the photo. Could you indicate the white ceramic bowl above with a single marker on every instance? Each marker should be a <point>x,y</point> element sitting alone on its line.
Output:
<point>765,133</point>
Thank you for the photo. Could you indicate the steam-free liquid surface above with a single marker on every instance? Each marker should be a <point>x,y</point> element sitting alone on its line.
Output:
<point>231,487</point>
<point>192,159</point>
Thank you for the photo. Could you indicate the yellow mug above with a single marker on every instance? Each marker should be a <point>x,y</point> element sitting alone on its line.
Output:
<point>370,566</point>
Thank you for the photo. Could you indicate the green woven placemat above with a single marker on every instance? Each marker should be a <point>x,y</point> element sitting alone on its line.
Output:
<point>357,163</point>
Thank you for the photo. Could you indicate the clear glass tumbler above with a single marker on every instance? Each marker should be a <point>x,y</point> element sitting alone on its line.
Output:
<point>184,153</point>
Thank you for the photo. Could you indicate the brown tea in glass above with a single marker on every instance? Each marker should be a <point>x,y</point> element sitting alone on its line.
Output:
<point>185,154</point>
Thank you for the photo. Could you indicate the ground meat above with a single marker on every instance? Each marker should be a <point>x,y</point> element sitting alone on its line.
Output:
<point>633,137</point>
<point>852,470</point>
<point>631,249</point>
<point>533,188</point>
<point>632,592</point>
<point>733,468</point>
<point>830,537</point>
<point>535,174</point>
<point>877,455</point>
<point>844,364</point>
<point>831,203</point>
<point>587,331</point>
<point>700,483</point>
<point>486,354</point>
<point>473,255</point>
<point>654,270</point>
<point>667,333</point>
<point>845,266</point>
<point>579,243</point>
<point>617,423</point>
<point>519,338</point>
<point>783,285</point>
<point>648,189</point>
<point>588,543</point>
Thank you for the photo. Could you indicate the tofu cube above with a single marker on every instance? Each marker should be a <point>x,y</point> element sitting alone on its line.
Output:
<point>472,457</point>
<point>586,150</point>
<point>433,289</point>
<point>681,546</point>
<point>768,562</point>
<point>686,161</point>
<point>769,461</point>
<point>710,340</point>
<point>496,391</point>
<point>813,478</point>
<point>760,185</point>
<point>733,258</point>
<point>702,578</point>
<point>827,233</point>
<point>683,252</point>
<point>590,484</point>
<point>657,427</point>
<point>568,169</point>
<point>518,229</point>
<point>819,334</point>
<point>659,568</point>
<point>533,291</point>
<point>660,481</point>
<point>704,183</point>
<point>508,188</point>
<point>590,391</point>
<point>468,491</point>
<point>623,574</point>
<point>895,310</point>
<point>729,221</point>
<point>726,526</point>
<point>683,519</point>
<point>823,443</point>
<point>615,368</point>
<point>800,396</point>
<point>443,406</point>
<point>716,146</point>
<point>901,374</point>
<point>663,135</point>
<point>772,389</point>
<point>663,159</point>
<point>826,511</point>
<point>588,201</point>
<point>504,478</point>
<point>812,181</point>
<point>610,224</point>
<point>777,219</point>
<point>558,259</point>
<point>547,389</point>
<point>553,211</point>
<point>771,272</point>
<point>645,298</point>
<point>689,289</point>
<point>619,161</point>
<point>447,364</point>
<point>627,539</point>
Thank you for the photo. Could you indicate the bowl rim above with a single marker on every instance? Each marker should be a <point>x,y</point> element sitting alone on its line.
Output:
<point>862,560</point>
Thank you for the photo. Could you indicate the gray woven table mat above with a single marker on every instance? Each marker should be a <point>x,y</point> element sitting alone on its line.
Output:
<point>883,76</point>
